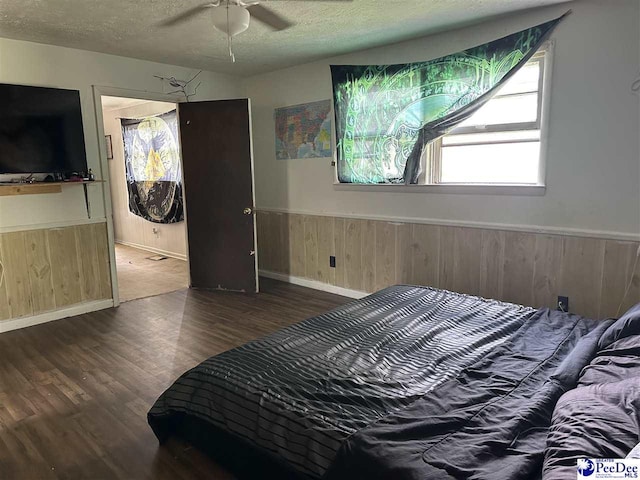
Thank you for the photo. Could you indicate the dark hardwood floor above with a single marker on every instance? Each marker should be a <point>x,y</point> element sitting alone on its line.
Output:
<point>74,393</point>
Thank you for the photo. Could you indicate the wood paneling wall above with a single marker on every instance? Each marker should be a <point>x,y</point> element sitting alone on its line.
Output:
<point>526,268</point>
<point>49,269</point>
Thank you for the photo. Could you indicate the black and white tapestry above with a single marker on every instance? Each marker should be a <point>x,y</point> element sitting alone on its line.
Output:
<point>152,163</point>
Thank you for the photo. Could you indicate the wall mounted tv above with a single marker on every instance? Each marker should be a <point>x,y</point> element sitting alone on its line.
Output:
<point>41,130</point>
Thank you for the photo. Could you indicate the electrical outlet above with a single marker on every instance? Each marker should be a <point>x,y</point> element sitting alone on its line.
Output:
<point>332,261</point>
<point>563,303</point>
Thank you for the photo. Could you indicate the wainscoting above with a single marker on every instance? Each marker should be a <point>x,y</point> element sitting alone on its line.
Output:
<point>51,269</point>
<point>521,267</point>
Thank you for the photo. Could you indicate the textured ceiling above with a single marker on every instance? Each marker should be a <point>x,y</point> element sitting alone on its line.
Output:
<point>322,29</point>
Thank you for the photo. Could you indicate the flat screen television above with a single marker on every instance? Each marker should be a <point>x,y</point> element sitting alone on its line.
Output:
<point>41,130</point>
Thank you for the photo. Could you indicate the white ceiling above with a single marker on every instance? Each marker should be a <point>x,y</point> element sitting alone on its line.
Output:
<point>116,103</point>
<point>322,28</point>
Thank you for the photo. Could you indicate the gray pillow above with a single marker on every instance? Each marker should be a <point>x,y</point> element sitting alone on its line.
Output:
<point>627,324</point>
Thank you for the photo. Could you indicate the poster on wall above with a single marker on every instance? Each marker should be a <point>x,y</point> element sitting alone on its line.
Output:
<point>304,131</point>
<point>152,163</point>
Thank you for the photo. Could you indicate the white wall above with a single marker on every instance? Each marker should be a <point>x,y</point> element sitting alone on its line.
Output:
<point>44,65</point>
<point>593,163</point>
<point>129,228</point>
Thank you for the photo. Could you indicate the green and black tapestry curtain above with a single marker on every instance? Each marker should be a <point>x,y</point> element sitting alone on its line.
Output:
<point>386,114</point>
<point>152,163</point>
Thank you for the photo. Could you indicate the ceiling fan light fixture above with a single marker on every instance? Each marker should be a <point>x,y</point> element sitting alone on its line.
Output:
<point>231,19</point>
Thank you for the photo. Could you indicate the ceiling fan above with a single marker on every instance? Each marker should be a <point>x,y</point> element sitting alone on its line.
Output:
<point>232,17</point>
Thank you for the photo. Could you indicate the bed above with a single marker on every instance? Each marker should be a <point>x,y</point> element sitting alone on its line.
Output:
<point>407,383</point>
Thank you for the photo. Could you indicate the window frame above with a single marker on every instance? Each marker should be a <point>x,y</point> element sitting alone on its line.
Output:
<point>431,159</point>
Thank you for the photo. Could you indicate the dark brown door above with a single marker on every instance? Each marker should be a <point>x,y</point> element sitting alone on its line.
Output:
<point>218,185</point>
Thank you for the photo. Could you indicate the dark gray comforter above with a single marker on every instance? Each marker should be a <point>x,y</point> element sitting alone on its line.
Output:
<point>409,383</point>
<point>301,392</point>
<point>601,417</point>
<point>489,422</point>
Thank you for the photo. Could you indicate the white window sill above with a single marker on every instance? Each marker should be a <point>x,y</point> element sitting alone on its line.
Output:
<point>450,188</point>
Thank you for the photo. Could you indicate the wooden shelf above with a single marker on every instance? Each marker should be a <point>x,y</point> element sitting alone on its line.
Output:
<point>8,189</point>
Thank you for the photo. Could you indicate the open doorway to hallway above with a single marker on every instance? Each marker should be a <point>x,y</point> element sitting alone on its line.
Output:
<point>144,162</point>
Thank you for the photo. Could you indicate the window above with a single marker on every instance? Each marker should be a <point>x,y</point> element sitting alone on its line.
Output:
<point>500,143</point>
<point>499,146</point>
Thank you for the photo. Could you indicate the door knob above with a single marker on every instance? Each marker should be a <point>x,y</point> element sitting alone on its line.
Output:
<point>247,211</point>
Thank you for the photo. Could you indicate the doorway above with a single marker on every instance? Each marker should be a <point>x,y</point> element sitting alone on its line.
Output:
<point>216,156</point>
<point>149,228</point>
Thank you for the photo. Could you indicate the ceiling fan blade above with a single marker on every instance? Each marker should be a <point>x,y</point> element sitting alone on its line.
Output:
<point>186,15</point>
<point>268,17</point>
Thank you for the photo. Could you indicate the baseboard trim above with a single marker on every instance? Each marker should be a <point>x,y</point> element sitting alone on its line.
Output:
<point>73,310</point>
<point>305,282</point>
<point>159,251</point>
<point>539,229</point>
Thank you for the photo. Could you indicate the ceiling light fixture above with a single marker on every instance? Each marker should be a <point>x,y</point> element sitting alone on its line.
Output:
<point>231,19</point>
